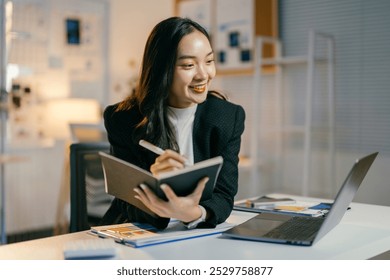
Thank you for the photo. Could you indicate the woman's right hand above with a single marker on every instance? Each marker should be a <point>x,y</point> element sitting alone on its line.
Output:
<point>168,161</point>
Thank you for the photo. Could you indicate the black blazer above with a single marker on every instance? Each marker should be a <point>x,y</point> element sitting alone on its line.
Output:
<point>217,131</point>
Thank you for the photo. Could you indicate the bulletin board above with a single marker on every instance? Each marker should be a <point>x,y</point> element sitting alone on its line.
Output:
<point>61,47</point>
<point>57,56</point>
<point>233,26</point>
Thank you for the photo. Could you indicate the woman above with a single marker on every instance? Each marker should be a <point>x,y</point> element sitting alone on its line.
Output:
<point>173,108</point>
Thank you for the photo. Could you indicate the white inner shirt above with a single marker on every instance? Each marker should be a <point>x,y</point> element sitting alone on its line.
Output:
<point>182,123</point>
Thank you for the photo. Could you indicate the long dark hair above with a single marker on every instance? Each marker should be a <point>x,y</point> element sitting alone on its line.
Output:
<point>151,94</point>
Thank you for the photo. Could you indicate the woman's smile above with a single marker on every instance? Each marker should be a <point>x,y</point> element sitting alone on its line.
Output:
<point>199,88</point>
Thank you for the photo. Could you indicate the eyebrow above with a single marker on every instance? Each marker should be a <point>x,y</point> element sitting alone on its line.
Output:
<point>192,56</point>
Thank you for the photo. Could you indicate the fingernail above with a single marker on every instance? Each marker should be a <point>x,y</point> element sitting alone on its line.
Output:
<point>143,186</point>
<point>163,186</point>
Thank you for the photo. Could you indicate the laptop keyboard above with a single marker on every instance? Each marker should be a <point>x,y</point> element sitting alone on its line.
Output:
<point>297,228</point>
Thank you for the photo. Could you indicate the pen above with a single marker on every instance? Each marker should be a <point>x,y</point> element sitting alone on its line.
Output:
<point>259,205</point>
<point>155,149</point>
<point>272,204</point>
<point>151,147</point>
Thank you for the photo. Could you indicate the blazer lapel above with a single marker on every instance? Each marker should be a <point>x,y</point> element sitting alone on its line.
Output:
<point>197,137</point>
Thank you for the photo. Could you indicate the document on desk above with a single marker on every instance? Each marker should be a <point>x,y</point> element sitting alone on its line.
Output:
<point>283,206</point>
<point>140,235</point>
<point>262,201</point>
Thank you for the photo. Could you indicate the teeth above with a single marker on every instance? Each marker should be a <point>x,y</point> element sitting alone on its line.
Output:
<point>199,89</point>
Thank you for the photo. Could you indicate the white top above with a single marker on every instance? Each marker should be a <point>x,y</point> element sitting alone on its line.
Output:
<point>182,123</point>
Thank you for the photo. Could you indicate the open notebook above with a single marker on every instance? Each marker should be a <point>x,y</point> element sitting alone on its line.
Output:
<point>122,177</point>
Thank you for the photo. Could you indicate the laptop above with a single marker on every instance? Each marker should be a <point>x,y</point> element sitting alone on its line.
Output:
<point>304,231</point>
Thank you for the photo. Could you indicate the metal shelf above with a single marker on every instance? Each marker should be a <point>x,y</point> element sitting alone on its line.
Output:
<point>307,129</point>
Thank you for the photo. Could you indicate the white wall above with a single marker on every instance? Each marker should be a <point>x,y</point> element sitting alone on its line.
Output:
<point>362,65</point>
<point>130,24</point>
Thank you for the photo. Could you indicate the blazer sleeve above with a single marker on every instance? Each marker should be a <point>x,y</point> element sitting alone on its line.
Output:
<point>220,206</point>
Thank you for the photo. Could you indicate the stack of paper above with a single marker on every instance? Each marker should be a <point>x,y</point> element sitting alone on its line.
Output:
<point>140,235</point>
<point>283,205</point>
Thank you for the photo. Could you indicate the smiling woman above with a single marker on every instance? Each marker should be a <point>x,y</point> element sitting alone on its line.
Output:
<point>174,109</point>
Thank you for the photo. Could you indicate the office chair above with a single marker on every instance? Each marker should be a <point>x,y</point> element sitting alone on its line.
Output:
<point>88,132</point>
<point>88,199</point>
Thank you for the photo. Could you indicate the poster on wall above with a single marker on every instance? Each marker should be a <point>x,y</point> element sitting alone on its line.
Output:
<point>234,38</point>
<point>231,24</point>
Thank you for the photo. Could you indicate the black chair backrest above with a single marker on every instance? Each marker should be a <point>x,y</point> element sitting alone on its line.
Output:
<point>88,199</point>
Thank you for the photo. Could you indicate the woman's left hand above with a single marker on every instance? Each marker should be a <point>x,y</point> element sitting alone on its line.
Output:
<point>182,208</point>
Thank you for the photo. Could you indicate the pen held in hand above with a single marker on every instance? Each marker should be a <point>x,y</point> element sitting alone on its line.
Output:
<point>151,147</point>
<point>156,150</point>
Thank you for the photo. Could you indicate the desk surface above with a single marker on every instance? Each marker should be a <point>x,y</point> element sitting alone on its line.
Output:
<point>364,232</point>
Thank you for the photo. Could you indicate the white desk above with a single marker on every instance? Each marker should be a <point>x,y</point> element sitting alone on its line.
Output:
<point>364,232</point>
